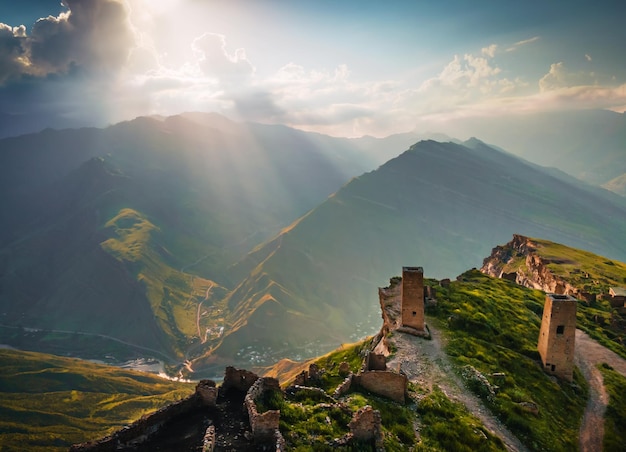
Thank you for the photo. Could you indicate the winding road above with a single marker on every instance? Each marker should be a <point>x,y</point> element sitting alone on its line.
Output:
<point>206,297</point>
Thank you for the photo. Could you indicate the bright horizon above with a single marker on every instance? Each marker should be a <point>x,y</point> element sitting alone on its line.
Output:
<point>339,68</point>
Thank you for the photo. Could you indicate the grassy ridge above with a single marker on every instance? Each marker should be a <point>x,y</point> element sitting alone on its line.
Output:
<point>591,273</point>
<point>48,403</point>
<point>173,295</point>
<point>493,326</point>
<point>308,424</point>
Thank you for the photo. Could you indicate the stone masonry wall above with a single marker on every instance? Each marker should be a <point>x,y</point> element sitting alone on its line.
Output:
<point>385,383</point>
<point>239,379</point>
<point>366,426</point>
<point>264,425</point>
<point>205,395</point>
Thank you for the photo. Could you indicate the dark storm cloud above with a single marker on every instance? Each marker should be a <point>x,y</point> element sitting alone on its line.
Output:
<point>94,35</point>
<point>12,51</point>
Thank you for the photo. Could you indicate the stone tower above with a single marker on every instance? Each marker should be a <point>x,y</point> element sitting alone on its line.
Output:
<point>413,297</point>
<point>557,335</point>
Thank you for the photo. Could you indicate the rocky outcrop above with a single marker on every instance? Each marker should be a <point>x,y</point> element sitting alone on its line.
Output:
<point>518,261</point>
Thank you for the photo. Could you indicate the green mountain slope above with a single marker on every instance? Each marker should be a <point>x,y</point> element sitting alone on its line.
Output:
<point>48,403</point>
<point>439,205</point>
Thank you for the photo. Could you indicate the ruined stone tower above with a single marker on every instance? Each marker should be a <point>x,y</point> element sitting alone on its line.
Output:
<point>413,297</point>
<point>557,335</point>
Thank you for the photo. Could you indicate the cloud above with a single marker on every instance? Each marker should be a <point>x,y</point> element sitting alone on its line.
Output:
<point>587,57</point>
<point>463,74</point>
<point>215,61</point>
<point>12,52</point>
<point>258,106</point>
<point>93,36</point>
<point>524,42</point>
<point>489,51</point>
<point>559,77</point>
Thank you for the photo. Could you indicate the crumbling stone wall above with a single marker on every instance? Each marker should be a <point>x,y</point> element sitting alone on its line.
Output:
<point>344,387</point>
<point>385,383</point>
<point>208,442</point>
<point>239,379</point>
<point>264,425</point>
<point>207,392</point>
<point>366,425</point>
<point>205,395</point>
<point>375,361</point>
<point>313,375</point>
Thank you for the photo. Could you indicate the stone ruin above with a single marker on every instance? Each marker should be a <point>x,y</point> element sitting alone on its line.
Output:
<point>412,295</point>
<point>264,425</point>
<point>557,335</point>
<point>402,310</point>
<point>211,417</point>
<point>403,302</point>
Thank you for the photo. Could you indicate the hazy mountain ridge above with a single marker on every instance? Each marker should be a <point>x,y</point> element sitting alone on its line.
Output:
<point>588,144</point>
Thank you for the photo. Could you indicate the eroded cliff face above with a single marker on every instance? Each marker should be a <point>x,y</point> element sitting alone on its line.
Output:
<point>517,261</point>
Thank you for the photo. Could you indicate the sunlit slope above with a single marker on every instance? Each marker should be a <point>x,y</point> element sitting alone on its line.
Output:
<point>48,403</point>
<point>438,205</point>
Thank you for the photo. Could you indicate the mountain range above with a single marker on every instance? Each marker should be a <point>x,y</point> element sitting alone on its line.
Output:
<point>437,205</point>
<point>196,238</point>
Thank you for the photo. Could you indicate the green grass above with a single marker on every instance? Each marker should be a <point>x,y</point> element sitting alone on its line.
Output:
<point>493,325</point>
<point>307,423</point>
<point>615,416</point>
<point>437,413</point>
<point>48,403</point>
<point>594,274</point>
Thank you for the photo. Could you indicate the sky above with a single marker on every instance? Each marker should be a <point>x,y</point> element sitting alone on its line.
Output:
<point>344,68</point>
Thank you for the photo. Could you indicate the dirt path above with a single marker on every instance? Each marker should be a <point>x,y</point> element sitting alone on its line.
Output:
<point>588,355</point>
<point>425,363</point>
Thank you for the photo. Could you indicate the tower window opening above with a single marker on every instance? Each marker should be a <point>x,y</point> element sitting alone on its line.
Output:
<point>560,329</point>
